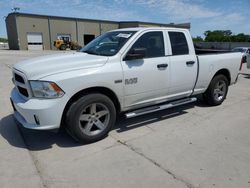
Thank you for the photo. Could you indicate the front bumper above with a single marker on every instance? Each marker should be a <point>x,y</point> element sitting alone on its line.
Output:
<point>39,114</point>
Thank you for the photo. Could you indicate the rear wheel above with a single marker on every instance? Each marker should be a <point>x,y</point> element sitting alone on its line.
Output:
<point>217,90</point>
<point>90,118</point>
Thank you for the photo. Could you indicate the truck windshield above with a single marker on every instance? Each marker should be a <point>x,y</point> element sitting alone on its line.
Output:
<point>108,44</point>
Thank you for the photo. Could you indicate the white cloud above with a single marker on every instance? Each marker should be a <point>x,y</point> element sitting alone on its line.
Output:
<point>175,10</point>
<point>180,9</point>
<point>226,21</point>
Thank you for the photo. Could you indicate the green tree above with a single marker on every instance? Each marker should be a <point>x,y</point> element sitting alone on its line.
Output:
<point>218,36</point>
<point>241,37</point>
<point>3,40</point>
<point>198,39</point>
<point>225,36</point>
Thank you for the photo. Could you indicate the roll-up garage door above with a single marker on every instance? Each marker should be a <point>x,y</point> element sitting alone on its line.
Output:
<point>35,41</point>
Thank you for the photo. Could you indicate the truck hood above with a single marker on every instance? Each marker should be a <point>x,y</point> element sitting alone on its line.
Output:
<point>37,68</point>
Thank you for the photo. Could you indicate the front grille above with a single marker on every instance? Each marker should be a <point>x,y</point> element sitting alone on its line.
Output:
<point>21,83</point>
<point>19,78</point>
<point>23,91</point>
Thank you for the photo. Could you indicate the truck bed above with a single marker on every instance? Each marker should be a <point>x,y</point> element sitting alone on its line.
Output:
<point>210,63</point>
<point>199,51</point>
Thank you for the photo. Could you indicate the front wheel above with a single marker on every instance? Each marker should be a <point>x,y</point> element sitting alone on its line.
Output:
<point>217,90</point>
<point>90,118</point>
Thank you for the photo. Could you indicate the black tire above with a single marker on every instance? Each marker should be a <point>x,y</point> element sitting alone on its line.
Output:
<point>63,47</point>
<point>90,118</point>
<point>217,90</point>
<point>73,48</point>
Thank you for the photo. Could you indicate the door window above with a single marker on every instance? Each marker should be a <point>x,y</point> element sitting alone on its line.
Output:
<point>153,43</point>
<point>178,43</point>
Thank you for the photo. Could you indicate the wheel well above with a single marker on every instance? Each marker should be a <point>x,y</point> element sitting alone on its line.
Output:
<point>105,91</point>
<point>224,72</point>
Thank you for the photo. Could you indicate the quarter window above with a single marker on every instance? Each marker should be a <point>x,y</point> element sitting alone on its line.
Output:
<point>153,43</point>
<point>178,43</point>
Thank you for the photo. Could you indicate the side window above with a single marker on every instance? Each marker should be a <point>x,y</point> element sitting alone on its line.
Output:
<point>153,43</point>
<point>178,43</point>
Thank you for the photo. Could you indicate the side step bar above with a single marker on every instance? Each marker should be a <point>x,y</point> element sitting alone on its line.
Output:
<point>159,107</point>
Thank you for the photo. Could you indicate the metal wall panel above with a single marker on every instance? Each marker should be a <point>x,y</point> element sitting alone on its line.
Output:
<point>108,26</point>
<point>12,32</point>
<point>62,27</point>
<point>32,25</point>
<point>91,28</point>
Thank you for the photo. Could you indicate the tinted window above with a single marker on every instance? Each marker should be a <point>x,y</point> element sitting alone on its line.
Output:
<point>152,42</point>
<point>178,43</point>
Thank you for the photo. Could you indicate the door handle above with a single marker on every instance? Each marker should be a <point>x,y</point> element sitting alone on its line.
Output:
<point>162,66</point>
<point>190,62</point>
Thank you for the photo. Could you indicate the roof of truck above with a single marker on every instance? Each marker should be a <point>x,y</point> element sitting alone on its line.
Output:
<point>148,28</point>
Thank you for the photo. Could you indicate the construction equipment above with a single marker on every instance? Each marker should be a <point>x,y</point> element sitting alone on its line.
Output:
<point>62,43</point>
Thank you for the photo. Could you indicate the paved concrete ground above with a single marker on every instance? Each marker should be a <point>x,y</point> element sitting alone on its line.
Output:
<point>4,46</point>
<point>191,146</point>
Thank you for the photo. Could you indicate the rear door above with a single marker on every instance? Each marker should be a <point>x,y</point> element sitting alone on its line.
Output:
<point>183,65</point>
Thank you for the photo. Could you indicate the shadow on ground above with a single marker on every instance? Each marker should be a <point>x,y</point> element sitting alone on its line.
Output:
<point>41,140</point>
<point>246,75</point>
<point>32,139</point>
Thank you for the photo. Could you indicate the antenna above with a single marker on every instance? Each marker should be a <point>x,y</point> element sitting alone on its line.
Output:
<point>15,9</point>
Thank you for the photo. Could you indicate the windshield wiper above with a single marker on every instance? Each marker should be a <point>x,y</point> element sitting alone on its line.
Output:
<point>94,53</point>
<point>90,52</point>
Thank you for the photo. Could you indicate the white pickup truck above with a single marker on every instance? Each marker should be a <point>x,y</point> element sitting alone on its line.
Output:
<point>132,71</point>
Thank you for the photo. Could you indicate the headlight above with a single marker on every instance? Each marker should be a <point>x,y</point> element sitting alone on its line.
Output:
<point>44,89</point>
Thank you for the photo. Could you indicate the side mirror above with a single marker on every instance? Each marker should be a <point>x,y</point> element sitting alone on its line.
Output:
<point>136,53</point>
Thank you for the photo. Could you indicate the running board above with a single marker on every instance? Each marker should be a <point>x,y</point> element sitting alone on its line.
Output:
<point>159,107</point>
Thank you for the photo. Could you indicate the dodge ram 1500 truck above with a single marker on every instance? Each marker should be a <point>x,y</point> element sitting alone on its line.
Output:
<point>134,71</point>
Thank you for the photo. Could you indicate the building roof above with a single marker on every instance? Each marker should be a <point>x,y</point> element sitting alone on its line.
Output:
<point>182,25</point>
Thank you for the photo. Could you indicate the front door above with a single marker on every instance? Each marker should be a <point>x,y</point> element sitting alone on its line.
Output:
<point>146,80</point>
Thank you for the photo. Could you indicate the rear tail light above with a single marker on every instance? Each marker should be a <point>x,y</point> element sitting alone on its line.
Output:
<point>243,60</point>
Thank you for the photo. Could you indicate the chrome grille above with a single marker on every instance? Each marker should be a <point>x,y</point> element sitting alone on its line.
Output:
<point>21,83</point>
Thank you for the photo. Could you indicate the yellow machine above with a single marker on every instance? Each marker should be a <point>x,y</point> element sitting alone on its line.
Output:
<point>63,43</point>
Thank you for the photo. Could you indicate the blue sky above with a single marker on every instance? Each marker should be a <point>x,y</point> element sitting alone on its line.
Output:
<point>202,14</point>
